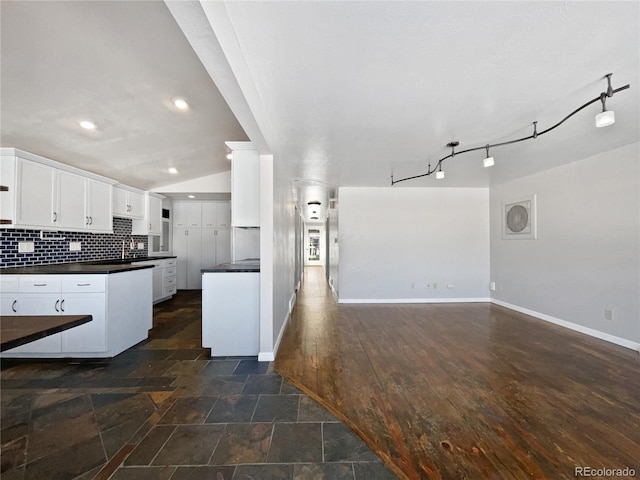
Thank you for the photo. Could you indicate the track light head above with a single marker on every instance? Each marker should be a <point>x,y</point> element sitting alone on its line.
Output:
<point>606,117</point>
<point>440,173</point>
<point>488,161</point>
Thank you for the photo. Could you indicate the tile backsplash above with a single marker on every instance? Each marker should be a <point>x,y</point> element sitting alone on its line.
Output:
<point>55,246</point>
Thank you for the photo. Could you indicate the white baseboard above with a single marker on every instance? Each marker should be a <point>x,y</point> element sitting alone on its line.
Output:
<point>414,300</point>
<point>572,326</point>
<point>271,356</point>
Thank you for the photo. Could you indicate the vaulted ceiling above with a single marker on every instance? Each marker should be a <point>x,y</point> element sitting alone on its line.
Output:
<point>344,93</point>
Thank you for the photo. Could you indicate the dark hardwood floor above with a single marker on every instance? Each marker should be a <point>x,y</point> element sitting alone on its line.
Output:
<point>465,391</point>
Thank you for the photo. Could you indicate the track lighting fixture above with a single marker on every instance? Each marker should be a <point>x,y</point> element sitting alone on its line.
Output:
<point>489,161</point>
<point>603,119</point>
<point>606,117</point>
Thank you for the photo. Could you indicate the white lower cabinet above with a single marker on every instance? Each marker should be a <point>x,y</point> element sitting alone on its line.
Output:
<point>120,306</point>
<point>164,277</point>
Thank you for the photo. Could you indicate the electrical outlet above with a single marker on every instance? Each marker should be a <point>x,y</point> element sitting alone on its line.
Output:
<point>608,314</point>
<point>140,245</point>
<point>26,247</point>
<point>75,246</point>
<point>492,286</point>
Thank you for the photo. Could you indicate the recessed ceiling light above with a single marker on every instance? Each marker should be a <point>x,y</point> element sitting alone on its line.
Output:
<point>191,196</point>
<point>87,124</point>
<point>173,170</point>
<point>229,156</point>
<point>180,103</point>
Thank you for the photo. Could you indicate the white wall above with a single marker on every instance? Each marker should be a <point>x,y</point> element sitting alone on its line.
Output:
<point>333,249</point>
<point>587,254</point>
<point>395,241</point>
<point>277,254</point>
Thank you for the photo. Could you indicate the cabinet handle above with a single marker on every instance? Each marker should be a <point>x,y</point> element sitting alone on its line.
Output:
<point>57,302</point>
<point>55,217</point>
<point>128,208</point>
<point>13,306</point>
<point>83,284</point>
<point>39,284</point>
<point>149,226</point>
<point>90,220</point>
<point>62,305</point>
<point>86,221</point>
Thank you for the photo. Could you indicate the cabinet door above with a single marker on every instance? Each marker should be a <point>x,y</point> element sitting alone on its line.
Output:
<point>92,336</point>
<point>223,245</point>
<point>209,214</point>
<point>154,215</point>
<point>245,185</point>
<point>99,206</point>
<point>136,205</point>
<point>180,251</point>
<point>71,201</point>
<point>194,258</point>
<point>36,194</point>
<point>9,304</point>
<point>223,214</point>
<point>209,248</point>
<point>40,304</point>
<point>120,202</point>
<point>179,214</point>
<point>158,286</point>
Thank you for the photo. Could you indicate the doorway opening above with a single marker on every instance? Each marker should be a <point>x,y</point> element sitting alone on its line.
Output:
<point>314,245</point>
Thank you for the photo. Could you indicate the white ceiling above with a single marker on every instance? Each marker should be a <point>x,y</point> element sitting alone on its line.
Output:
<point>342,92</point>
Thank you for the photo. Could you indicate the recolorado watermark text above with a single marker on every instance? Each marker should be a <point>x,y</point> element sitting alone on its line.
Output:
<point>603,472</point>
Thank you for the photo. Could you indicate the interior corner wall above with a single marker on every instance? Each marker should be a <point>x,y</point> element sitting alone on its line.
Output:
<point>586,257</point>
<point>414,244</point>
<point>284,238</point>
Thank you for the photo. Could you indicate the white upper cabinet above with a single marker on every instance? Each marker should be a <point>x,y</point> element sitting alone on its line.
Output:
<point>99,206</point>
<point>187,214</point>
<point>127,203</point>
<point>245,185</point>
<point>216,214</point>
<point>151,224</point>
<point>43,194</point>
<point>35,194</point>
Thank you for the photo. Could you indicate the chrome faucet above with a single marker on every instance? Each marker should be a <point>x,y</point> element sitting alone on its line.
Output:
<point>123,242</point>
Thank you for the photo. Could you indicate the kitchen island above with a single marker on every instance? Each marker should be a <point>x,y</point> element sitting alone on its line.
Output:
<point>117,296</point>
<point>231,308</point>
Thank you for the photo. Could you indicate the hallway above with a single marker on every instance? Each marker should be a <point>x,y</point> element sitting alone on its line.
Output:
<point>465,391</point>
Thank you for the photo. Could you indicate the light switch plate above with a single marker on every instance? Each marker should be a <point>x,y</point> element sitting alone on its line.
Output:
<point>75,246</point>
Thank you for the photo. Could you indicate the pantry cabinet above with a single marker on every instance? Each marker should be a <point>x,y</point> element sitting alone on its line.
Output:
<point>201,238</point>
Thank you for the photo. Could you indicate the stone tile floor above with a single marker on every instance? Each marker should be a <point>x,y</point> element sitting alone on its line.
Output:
<point>165,410</point>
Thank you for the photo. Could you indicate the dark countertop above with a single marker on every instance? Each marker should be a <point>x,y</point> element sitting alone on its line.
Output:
<point>72,269</point>
<point>18,330</point>
<point>97,267</point>
<point>248,266</point>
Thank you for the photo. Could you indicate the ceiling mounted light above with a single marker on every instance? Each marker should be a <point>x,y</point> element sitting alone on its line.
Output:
<point>314,202</point>
<point>87,124</point>
<point>180,103</point>
<point>314,218</point>
<point>191,196</point>
<point>603,119</point>
<point>606,117</point>
<point>173,170</point>
<point>489,161</point>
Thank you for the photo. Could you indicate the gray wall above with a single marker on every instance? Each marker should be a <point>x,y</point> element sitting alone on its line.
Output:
<point>395,241</point>
<point>587,254</point>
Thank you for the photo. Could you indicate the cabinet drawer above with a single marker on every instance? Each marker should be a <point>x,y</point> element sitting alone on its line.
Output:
<point>170,290</point>
<point>83,283</point>
<point>169,272</point>
<point>170,262</point>
<point>169,281</point>
<point>40,284</point>
<point>9,283</point>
